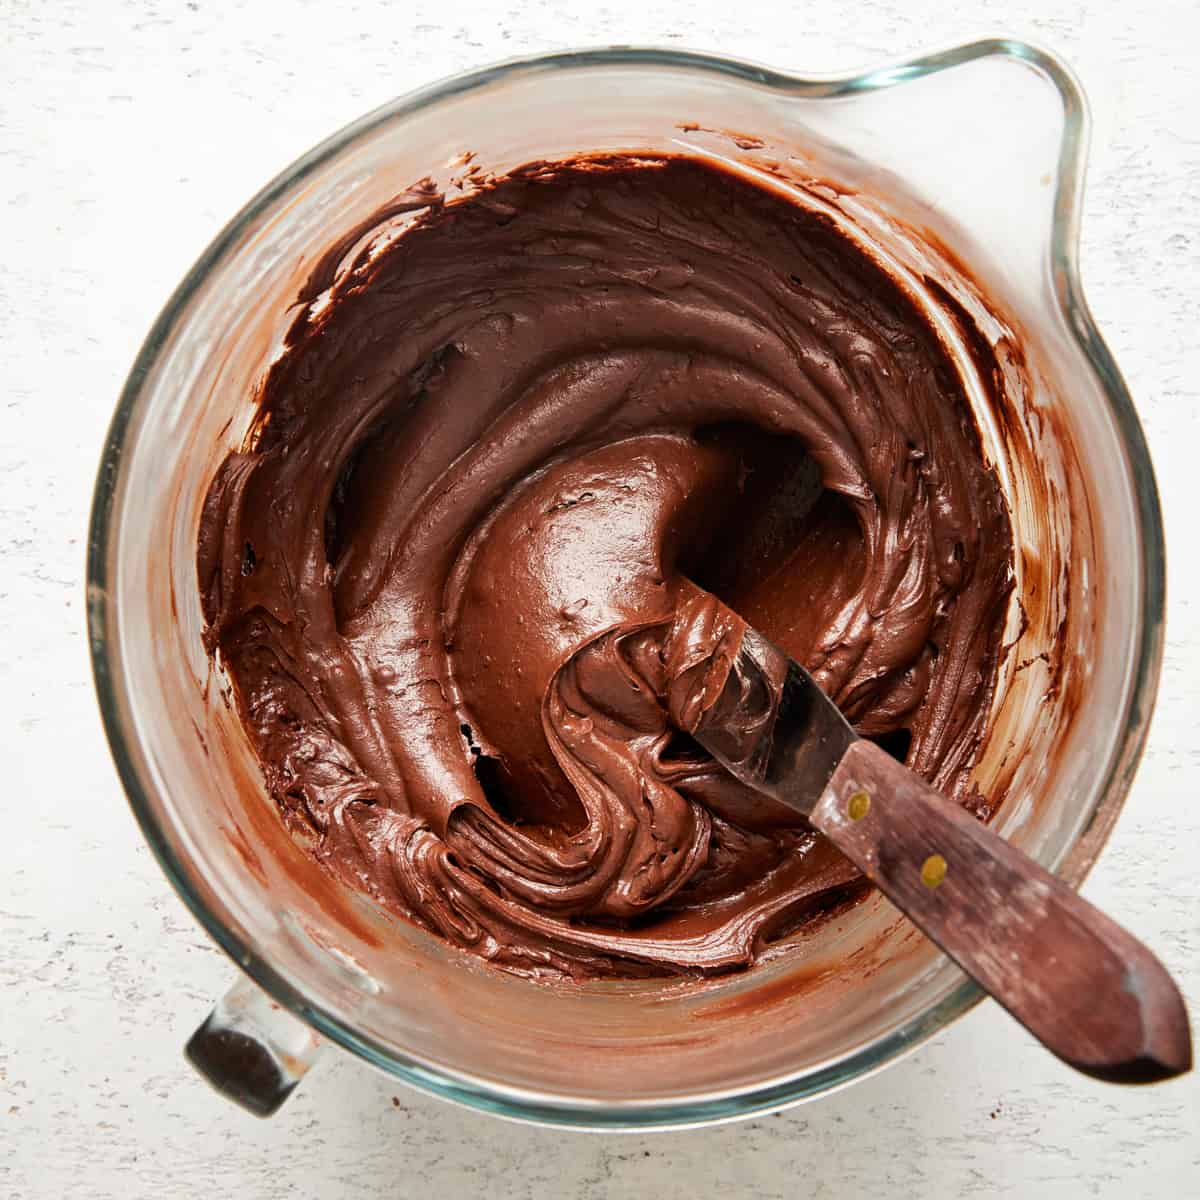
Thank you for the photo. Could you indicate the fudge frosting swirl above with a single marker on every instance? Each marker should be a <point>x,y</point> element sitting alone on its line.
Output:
<point>501,464</point>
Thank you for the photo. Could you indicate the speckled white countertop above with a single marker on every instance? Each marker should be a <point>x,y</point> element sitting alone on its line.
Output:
<point>129,132</point>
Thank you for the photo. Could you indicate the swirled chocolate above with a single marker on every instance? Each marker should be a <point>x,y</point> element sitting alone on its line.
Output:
<point>501,456</point>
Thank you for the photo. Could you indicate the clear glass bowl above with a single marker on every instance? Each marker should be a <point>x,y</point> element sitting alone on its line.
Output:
<point>972,156</point>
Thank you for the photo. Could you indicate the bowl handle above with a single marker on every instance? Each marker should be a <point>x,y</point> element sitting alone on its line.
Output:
<point>252,1050</point>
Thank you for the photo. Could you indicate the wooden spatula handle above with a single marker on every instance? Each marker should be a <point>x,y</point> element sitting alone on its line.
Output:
<point>1077,981</point>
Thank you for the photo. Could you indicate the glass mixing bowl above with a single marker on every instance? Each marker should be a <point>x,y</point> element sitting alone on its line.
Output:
<point>964,170</point>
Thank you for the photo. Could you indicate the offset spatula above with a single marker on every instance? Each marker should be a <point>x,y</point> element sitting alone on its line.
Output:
<point>1085,988</point>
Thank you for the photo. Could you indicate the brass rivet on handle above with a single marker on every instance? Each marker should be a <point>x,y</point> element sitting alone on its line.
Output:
<point>858,806</point>
<point>933,870</point>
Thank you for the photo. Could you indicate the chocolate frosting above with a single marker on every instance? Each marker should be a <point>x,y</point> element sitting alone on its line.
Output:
<point>467,551</point>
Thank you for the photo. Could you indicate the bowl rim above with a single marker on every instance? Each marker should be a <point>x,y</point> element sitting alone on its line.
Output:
<point>712,1106</point>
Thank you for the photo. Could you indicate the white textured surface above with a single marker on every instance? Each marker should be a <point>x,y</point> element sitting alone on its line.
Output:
<point>129,132</point>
